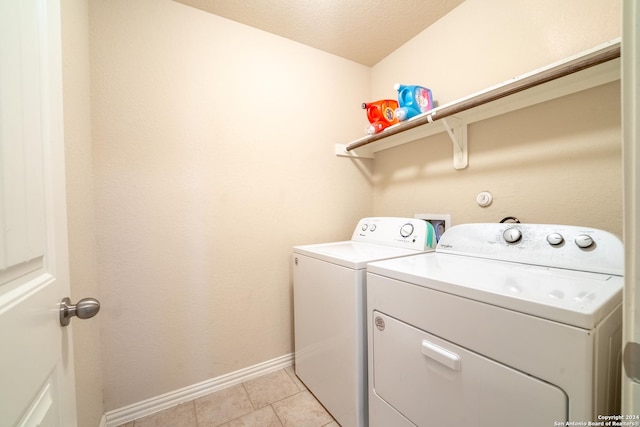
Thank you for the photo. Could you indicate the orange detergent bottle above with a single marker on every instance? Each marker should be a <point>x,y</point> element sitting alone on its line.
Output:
<point>380,114</point>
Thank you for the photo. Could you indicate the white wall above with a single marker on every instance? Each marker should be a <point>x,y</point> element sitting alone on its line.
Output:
<point>213,148</point>
<point>558,162</point>
<point>80,207</point>
<point>484,42</point>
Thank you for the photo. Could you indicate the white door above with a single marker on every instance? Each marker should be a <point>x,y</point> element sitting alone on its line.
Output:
<point>36,364</point>
<point>631,149</point>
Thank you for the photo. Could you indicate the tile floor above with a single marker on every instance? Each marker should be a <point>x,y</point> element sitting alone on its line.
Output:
<point>278,399</point>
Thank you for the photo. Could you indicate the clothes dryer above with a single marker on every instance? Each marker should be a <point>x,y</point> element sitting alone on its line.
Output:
<point>329,309</point>
<point>503,325</point>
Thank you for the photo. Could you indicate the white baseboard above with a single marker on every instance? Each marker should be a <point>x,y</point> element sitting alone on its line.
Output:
<point>103,421</point>
<point>173,398</point>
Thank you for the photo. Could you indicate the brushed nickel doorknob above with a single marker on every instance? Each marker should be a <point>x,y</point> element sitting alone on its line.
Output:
<point>84,309</point>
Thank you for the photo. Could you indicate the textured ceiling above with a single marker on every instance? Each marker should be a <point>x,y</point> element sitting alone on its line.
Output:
<point>364,31</point>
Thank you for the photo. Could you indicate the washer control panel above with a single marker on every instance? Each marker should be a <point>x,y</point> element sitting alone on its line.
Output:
<point>583,241</point>
<point>561,246</point>
<point>410,233</point>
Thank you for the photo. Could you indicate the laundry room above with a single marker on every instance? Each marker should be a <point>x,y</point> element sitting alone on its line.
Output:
<point>201,150</point>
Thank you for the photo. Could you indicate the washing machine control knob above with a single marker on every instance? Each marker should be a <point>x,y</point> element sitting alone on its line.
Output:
<point>406,230</point>
<point>512,235</point>
<point>373,227</point>
<point>584,241</point>
<point>364,227</point>
<point>555,239</point>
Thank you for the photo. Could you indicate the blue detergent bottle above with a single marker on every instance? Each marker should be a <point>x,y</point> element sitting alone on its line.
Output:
<point>413,100</point>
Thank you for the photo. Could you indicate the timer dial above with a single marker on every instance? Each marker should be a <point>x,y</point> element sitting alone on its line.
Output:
<point>512,235</point>
<point>406,230</point>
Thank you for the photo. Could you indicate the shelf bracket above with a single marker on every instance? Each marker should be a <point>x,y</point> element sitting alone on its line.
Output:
<point>458,135</point>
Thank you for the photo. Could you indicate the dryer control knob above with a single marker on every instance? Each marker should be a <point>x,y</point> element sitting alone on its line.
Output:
<point>512,235</point>
<point>584,241</point>
<point>406,230</point>
<point>555,239</point>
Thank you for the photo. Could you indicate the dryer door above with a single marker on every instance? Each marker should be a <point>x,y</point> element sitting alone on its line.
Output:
<point>433,382</point>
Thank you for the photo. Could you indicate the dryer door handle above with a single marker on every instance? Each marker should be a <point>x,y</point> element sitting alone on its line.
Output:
<point>441,355</point>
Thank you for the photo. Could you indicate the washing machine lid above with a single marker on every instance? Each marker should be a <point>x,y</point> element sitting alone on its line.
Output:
<point>373,239</point>
<point>572,297</point>
<point>354,255</point>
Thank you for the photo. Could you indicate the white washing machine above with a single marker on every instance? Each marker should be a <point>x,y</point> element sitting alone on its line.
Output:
<point>329,309</point>
<point>503,325</point>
